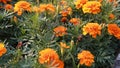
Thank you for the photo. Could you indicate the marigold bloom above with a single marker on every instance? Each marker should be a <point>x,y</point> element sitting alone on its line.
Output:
<point>80,3</point>
<point>8,6</point>
<point>111,16</point>
<point>50,58</point>
<point>64,19</point>
<point>60,31</point>
<point>22,6</point>
<point>47,55</point>
<point>86,57</point>
<point>5,1</point>
<point>92,7</point>
<point>2,49</point>
<point>75,21</point>
<point>66,11</point>
<point>36,9</point>
<point>113,29</point>
<point>47,7</point>
<point>93,29</point>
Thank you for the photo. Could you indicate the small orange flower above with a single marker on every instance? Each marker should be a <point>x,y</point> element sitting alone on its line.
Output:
<point>92,28</point>
<point>86,57</point>
<point>64,19</point>
<point>60,31</point>
<point>22,6</point>
<point>113,29</point>
<point>111,16</point>
<point>66,11</point>
<point>3,50</point>
<point>92,7</point>
<point>47,7</point>
<point>8,6</point>
<point>63,45</point>
<point>80,3</point>
<point>75,21</point>
<point>50,58</point>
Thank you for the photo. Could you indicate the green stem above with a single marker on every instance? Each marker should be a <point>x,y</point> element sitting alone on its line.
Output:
<point>74,65</point>
<point>78,65</point>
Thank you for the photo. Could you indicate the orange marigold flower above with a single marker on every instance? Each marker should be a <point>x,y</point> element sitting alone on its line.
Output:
<point>64,19</point>
<point>47,55</point>
<point>92,29</point>
<point>50,58</point>
<point>75,21</point>
<point>60,31</point>
<point>86,57</point>
<point>47,7</point>
<point>66,11</point>
<point>113,29</point>
<point>22,6</point>
<point>80,3</point>
<point>5,1</point>
<point>3,50</point>
<point>111,16</point>
<point>8,6</point>
<point>92,7</point>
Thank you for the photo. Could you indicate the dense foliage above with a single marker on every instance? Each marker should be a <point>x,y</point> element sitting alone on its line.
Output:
<point>59,33</point>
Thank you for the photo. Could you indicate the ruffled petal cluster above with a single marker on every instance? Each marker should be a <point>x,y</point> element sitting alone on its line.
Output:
<point>86,58</point>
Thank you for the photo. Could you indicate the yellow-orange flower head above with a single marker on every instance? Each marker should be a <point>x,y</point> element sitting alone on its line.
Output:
<point>22,6</point>
<point>93,29</point>
<point>86,58</point>
<point>113,29</point>
<point>2,49</point>
<point>80,3</point>
<point>50,58</point>
<point>60,31</point>
<point>92,7</point>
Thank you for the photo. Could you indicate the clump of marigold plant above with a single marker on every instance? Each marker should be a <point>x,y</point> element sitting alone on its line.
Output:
<point>92,7</point>
<point>50,58</point>
<point>3,50</point>
<point>86,58</point>
<point>80,3</point>
<point>93,29</point>
<point>113,29</point>
<point>60,31</point>
<point>75,21</point>
<point>47,7</point>
<point>22,6</point>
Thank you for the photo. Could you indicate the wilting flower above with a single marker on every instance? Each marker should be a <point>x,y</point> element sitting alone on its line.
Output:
<point>2,49</point>
<point>8,7</point>
<point>75,21</point>
<point>111,16</point>
<point>63,45</point>
<point>86,58</point>
<point>64,19</point>
<point>66,11</point>
<point>50,58</point>
<point>22,6</point>
<point>92,7</point>
<point>80,3</point>
<point>113,29</point>
<point>93,29</point>
<point>60,31</point>
<point>47,7</point>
